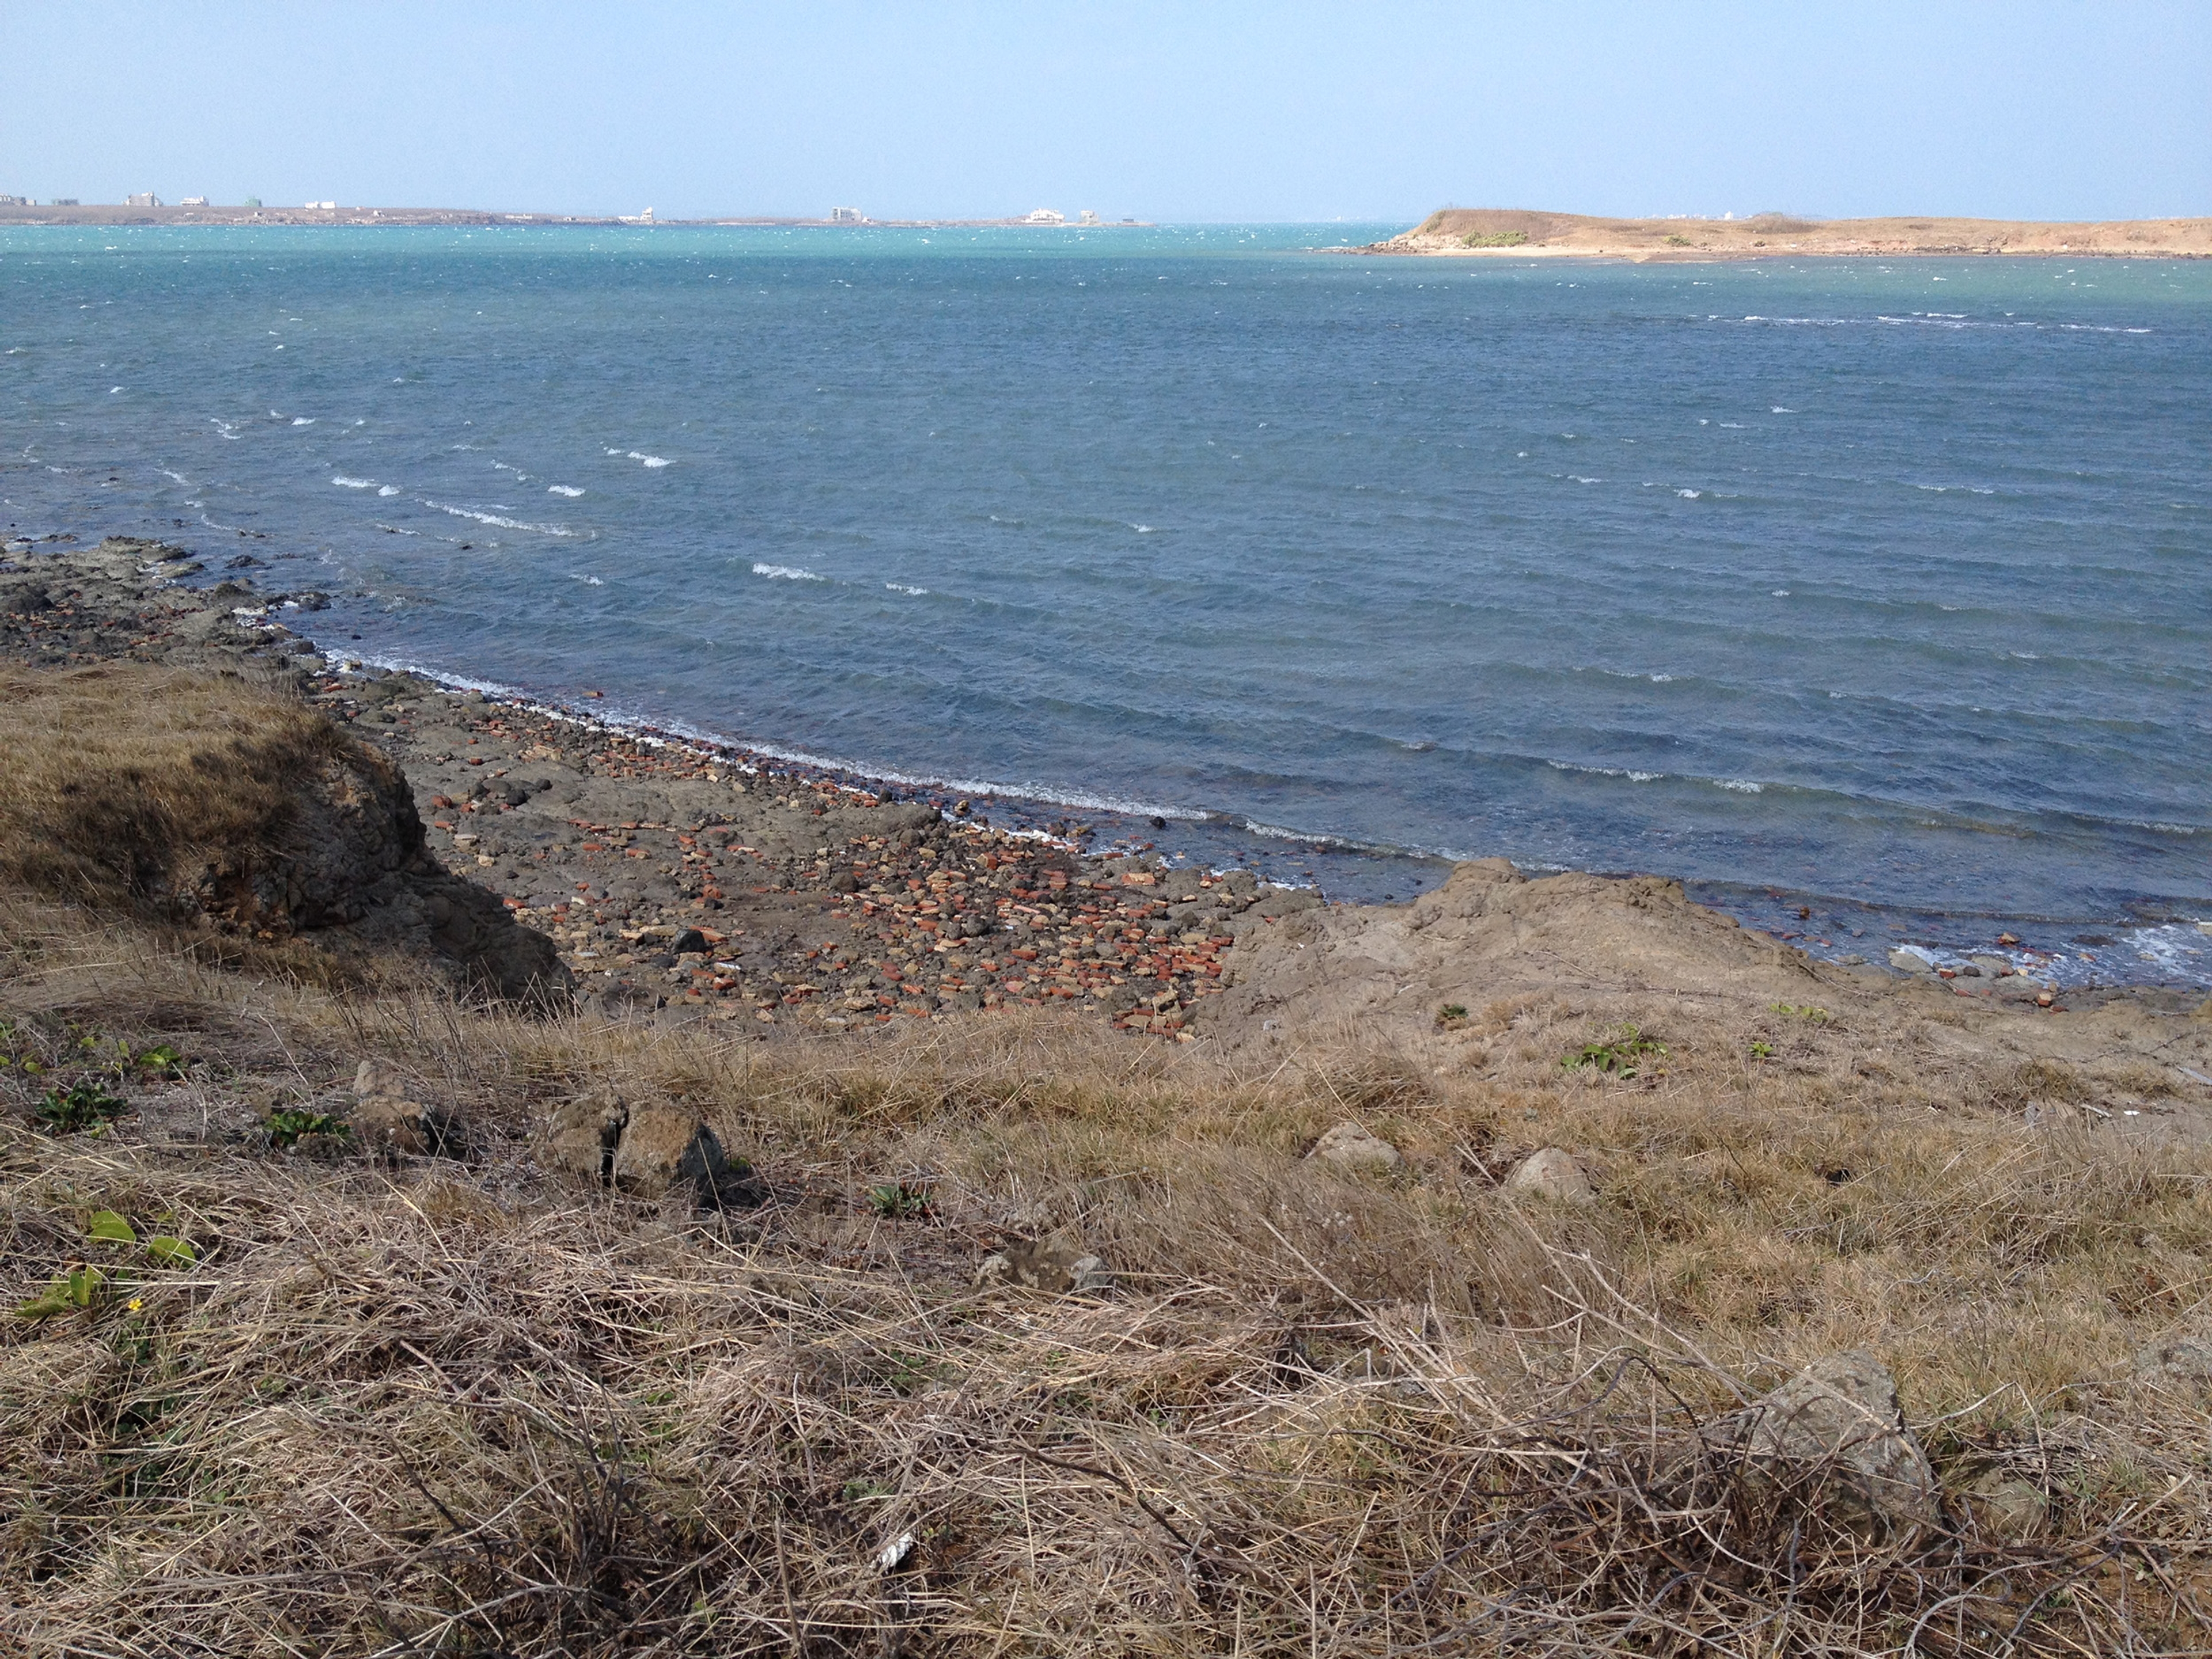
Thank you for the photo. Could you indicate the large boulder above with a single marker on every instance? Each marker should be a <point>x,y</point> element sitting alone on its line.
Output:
<point>1834,1438</point>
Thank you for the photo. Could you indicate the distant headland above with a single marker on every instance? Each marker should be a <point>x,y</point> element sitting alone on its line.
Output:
<point>1477,232</point>
<point>150,210</point>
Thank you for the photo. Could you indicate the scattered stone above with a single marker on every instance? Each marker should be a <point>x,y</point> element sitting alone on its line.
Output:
<point>650,1150</point>
<point>2007,1507</point>
<point>583,1134</point>
<point>384,1120</point>
<point>2181,1362</point>
<point>1357,1150</point>
<point>1836,1433</point>
<point>1059,1270</point>
<point>1907,962</point>
<point>1552,1173</point>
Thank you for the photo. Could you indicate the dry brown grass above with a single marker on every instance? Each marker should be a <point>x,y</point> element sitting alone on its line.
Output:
<point>462,1408</point>
<point>111,777</point>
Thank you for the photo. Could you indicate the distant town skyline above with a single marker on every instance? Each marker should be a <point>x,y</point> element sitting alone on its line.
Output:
<point>1239,111</point>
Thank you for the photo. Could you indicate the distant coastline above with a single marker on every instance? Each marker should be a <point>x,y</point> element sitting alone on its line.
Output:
<point>108,214</point>
<point>1515,233</point>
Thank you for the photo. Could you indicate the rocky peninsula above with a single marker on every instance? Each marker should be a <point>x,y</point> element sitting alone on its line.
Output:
<point>1514,232</point>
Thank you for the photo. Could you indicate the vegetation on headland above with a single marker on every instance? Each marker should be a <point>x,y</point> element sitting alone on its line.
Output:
<point>473,1394</point>
<point>1463,230</point>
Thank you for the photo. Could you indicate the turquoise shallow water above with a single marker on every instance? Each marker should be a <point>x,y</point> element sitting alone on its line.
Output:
<point>1881,590</point>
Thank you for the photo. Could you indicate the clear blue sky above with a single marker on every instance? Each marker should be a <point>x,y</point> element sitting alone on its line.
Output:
<point>2031,109</point>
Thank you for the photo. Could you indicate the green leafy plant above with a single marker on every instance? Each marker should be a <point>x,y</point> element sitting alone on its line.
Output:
<point>170,1251</point>
<point>80,1106</point>
<point>287,1123</point>
<point>78,1289</point>
<point>900,1200</point>
<point>162,1060</point>
<point>1761,1050</point>
<point>1619,1057</point>
<point>106,1226</point>
<point>1818,1016</point>
<point>1453,1011</point>
<point>1677,241</point>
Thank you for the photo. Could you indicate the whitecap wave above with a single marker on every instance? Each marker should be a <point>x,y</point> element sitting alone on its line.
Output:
<point>495,519</point>
<point>389,490</point>
<point>355,483</point>
<point>789,573</point>
<point>303,420</point>
<point>570,490</point>
<point>897,587</point>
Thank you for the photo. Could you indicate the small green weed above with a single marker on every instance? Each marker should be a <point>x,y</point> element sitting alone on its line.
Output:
<point>1761,1050</point>
<point>78,1288</point>
<point>900,1200</point>
<point>1677,241</point>
<point>1818,1016</point>
<point>1452,1013</point>
<point>162,1060</point>
<point>80,1106</point>
<point>287,1123</point>
<point>1619,1057</point>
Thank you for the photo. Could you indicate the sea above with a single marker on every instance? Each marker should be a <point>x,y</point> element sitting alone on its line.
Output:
<point>1871,599</point>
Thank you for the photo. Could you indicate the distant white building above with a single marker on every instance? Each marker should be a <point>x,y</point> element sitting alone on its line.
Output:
<point>193,201</point>
<point>1086,217</point>
<point>847,216</point>
<point>14,201</point>
<point>324,207</point>
<point>143,199</point>
<point>1046,216</point>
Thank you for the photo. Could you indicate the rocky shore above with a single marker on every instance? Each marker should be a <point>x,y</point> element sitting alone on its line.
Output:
<point>681,881</point>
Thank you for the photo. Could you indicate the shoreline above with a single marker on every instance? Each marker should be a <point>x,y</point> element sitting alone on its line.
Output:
<point>1189,844</point>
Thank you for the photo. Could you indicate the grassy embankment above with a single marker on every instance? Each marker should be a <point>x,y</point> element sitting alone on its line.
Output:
<point>463,1404</point>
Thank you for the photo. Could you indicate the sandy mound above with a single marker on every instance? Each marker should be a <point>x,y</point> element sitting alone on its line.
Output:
<point>1488,932</point>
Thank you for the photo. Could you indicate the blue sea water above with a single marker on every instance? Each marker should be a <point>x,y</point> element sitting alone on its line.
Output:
<point>1878,589</point>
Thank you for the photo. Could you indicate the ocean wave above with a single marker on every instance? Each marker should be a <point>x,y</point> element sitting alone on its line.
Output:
<point>179,477</point>
<point>501,523</point>
<point>588,581</point>
<point>355,483</point>
<point>303,420</point>
<point>1632,775</point>
<point>640,456</point>
<point>789,573</point>
<point>570,490</point>
<point>897,587</point>
<point>389,490</point>
<point>224,427</point>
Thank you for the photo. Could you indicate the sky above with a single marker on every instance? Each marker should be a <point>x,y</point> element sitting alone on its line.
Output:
<point>2046,109</point>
